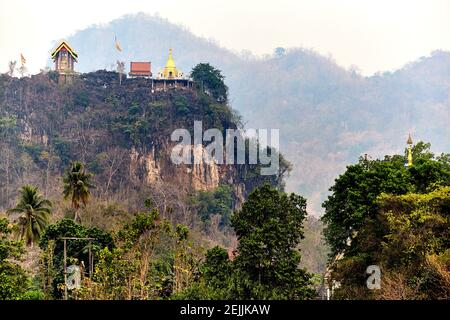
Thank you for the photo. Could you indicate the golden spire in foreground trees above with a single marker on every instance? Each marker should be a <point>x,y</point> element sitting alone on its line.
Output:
<point>409,142</point>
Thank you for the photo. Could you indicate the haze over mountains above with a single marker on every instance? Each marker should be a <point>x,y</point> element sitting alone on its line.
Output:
<point>328,116</point>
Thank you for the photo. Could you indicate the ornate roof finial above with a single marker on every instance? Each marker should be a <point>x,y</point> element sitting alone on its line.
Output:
<point>409,141</point>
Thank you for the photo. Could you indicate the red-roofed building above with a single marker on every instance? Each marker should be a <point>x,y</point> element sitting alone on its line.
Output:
<point>140,69</point>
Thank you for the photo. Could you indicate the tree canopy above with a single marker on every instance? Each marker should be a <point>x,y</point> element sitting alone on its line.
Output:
<point>210,80</point>
<point>381,212</point>
<point>269,229</point>
<point>354,193</point>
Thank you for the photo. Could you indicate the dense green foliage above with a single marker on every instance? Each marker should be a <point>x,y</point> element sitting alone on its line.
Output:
<point>269,228</point>
<point>419,224</point>
<point>215,278</point>
<point>354,193</point>
<point>13,280</point>
<point>151,260</point>
<point>210,80</point>
<point>381,212</point>
<point>218,201</point>
<point>417,245</point>
<point>77,250</point>
<point>217,269</point>
<point>252,172</point>
<point>266,262</point>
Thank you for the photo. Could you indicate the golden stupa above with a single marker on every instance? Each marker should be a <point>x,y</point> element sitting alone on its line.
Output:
<point>170,71</point>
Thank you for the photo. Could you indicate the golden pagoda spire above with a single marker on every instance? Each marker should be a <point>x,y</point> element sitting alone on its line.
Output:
<point>170,62</point>
<point>170,70</point>
<point>409,142</point>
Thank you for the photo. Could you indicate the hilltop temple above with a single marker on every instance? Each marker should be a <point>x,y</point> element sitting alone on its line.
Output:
<point>169,77</point>
<point>64,57</point>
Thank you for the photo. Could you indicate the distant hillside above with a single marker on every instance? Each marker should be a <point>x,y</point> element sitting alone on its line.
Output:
<point>328,116</point>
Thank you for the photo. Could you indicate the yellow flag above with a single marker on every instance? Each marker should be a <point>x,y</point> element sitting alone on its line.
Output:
<point>117,44</point>
<point>22,59</point>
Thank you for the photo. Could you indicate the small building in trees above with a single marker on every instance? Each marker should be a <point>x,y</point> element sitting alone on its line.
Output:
<point>64,58</point>
<point>140,69</point>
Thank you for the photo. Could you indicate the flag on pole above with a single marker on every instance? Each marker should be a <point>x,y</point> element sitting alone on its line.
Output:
<point>22,59</point>
<point>118,47</point>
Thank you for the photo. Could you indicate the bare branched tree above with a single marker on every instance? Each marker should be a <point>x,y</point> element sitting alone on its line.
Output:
<point>120,70</point>
<point>11,68</point>
<point>22,70</point>
<point>112,160</point>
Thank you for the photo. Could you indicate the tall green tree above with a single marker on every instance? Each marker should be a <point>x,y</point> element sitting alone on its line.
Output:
<point>217,271</point>
<point>269,228</point>
<point>266,262</point>
<point>77,186</point>
<point>34,212</point>
<point>353,196</point>
<point>210,80</point>
<point>77,250</point>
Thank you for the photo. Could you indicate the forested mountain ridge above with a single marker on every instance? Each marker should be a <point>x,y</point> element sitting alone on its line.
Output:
<point>328,116</point>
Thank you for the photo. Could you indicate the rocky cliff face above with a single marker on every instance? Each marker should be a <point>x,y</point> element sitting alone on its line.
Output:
<point>145,168</point>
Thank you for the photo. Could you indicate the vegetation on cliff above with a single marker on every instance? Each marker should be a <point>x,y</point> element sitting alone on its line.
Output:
<point>383,213</point>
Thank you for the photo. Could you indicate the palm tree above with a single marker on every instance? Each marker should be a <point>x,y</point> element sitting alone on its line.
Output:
<point>34,211</point>
<point>77,185</point>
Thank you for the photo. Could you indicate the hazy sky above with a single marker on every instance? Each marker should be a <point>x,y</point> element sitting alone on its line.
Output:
<point>374,35</point>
